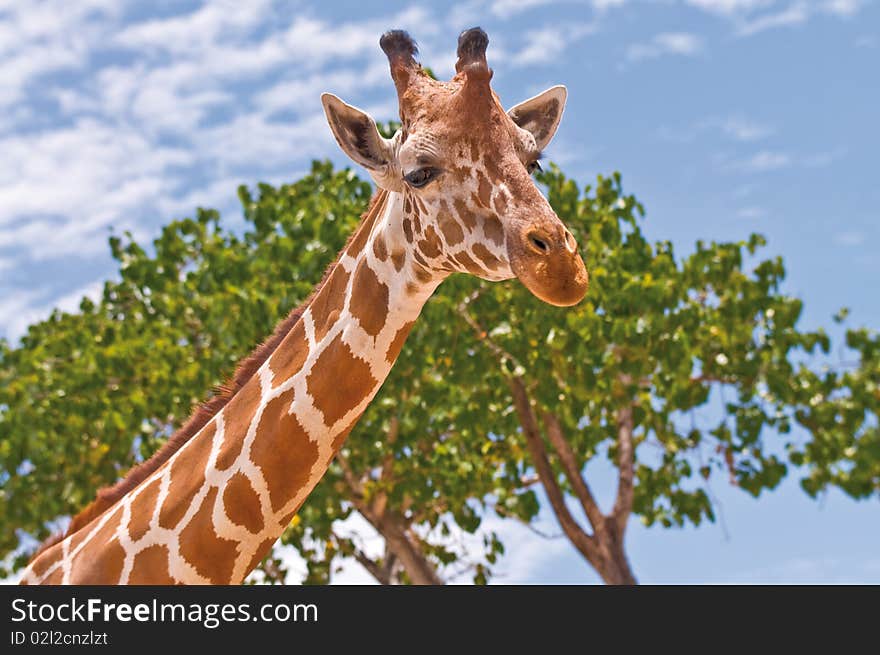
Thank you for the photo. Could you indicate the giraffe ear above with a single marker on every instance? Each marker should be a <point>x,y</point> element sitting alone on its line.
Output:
<point>541,115</point>
<point>357,134</point>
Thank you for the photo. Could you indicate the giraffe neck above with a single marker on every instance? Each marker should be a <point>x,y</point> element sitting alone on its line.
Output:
<point>213,511</point>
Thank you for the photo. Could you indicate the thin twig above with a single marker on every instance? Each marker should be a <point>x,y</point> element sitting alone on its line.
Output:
<point>500,353</point>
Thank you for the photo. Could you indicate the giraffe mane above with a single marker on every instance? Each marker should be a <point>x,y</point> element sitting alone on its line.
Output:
<point>205,411</point>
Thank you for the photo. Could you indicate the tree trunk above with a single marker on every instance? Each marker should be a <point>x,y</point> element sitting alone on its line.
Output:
<point>414,562</point>
<point>614,566</point>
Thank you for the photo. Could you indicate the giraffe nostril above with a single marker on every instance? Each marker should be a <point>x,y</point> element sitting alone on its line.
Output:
<point>538,243</point>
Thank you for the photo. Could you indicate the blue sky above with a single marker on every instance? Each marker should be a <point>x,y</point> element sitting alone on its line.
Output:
<point>724,117</point>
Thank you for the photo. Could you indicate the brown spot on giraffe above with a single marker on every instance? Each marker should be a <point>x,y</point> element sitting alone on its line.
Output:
<point>486,256</point>
<point>421,273</point>
<point>188,469</point>
<point>417,224</point>
<point>450,228</point>
<point>465,214</point>
<point>291,354</point>
<point>102,565</point>
<point>469,264</point>
<point>407,230</point>
<point>461,173</point>
<point>362,234</point>
<point>262,550</point>
<point>418,258</point>
<point>284,452</point>
<point>339,381</point>
<point>142,510</point>
<point>340,438</point>
<point>242,504</point>
<point>380,249</point>
<point>398,258</point>
<point>329,302</point>
<point>209,554</point>
<point>397,342</point>
<point>493,230</point>
<point>150,567</point>
<point>484,190</point>
<point>431,245</point>
<point>493,170</point>
<point>56,577</point>
<point>369,299</point>
<point>77,538</point>
<point>41,565</point>
<point>238,416</point>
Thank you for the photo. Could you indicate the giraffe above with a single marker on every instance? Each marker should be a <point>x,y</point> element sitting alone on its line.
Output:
<point>454,194</point>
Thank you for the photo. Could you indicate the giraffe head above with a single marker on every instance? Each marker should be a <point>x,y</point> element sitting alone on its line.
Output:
<point>463,167</point>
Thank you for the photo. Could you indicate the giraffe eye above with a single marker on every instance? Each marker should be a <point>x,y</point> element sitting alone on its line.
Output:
<point>420,177</point>
<point>533,167</point>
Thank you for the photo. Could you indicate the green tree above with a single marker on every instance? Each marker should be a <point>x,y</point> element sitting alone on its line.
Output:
<point>493,394</point>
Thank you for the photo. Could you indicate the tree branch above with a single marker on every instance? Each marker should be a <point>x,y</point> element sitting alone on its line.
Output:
<point>351,479</point>
<point>502,512</point>
<point>573,473</point>
<point>581,540</point>
<point>381,573</point>
<point>625,455</point>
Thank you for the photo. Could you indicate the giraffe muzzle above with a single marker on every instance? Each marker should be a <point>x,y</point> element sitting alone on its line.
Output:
<point>547,262</point>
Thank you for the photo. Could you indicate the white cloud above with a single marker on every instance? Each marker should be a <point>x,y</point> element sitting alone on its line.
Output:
<point>37,38</point>
<point>509,8</point>
<point>549,43</point>
<point>849,238</point>
<point>751,212</point>
<point>198,31</point>
<point>750,17</point>
<point>61,188</point>
<point>301,94</point>
<point>765,160</point>
<point>505,9</point>
<point>70,301</point>
<point>604,5</point>
<point>843,8</point>
<point>822,159</point>
<point>771,160</point>
<point>744,129</point>
<point>17,311</point>
<point>734,126</point>
<point>19,308</point>
<point>729,7</point>
<point>795,14</point>
<point>666,43</point>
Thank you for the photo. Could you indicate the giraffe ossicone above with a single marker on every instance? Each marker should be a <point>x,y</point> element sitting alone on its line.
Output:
<point>454,195</point>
